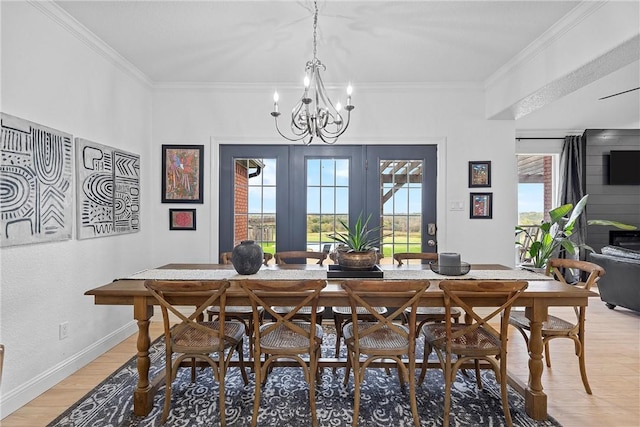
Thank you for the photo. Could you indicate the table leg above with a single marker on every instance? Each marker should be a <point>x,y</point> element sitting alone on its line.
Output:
<point>142,396</point>
<point>535,398</point>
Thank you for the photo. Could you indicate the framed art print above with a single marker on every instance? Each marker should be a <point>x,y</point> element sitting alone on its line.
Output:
<point>481,206</point>
<point>182,219</point>
<point>182,173</point>
<point>479,174</point>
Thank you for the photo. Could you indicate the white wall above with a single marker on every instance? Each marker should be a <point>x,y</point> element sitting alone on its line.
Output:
<point>454,116</point>
<point>51,77</point>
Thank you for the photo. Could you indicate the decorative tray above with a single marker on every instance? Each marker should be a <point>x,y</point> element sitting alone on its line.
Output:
<point>450,270</point>
<point>336,272</point>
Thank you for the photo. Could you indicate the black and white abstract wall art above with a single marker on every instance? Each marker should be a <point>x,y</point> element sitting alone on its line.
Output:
<point>108,190</point>
<point>36,187</point>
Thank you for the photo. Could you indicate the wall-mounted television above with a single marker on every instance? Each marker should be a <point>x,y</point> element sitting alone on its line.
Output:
<point>624,167</point>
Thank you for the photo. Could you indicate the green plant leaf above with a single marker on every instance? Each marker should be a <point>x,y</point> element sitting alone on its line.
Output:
<point>577,211</point>
<point>616,224</point>
<point>560,212</point>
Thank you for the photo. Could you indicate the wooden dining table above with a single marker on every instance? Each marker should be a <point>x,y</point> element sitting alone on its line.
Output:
<point>541,294</point>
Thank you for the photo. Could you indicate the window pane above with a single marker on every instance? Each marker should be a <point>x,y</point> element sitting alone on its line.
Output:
<point>313,172</point>
<point>342,196</point>
<point>342,172</point>
<point>255,199</point>
<point>269,200</point>
<point>327,200</point>
<point>328,172</point>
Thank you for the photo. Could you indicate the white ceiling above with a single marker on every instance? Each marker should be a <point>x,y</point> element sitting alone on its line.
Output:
<point>373,42</point>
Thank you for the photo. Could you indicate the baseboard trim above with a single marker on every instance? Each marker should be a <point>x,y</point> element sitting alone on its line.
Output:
<point>20,396</point>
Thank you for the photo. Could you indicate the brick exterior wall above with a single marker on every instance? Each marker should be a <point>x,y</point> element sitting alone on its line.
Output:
<point>241,203</point>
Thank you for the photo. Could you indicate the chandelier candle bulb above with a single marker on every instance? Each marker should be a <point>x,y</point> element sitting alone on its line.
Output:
<point>276,97</point>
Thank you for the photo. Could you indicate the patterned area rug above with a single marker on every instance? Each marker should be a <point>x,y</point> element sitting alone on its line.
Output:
<point>285,400</point>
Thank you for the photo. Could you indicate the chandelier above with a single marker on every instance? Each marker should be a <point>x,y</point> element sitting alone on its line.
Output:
<point>314,115</point>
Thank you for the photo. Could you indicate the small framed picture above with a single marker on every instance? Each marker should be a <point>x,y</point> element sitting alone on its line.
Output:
<point>481,206</point>
<point>182,219</point>
<point>479,174</point>
<point>182,173</point>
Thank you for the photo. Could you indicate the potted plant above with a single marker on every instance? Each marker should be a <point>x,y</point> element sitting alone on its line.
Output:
<point>557,232</point>
<point>355,249</point>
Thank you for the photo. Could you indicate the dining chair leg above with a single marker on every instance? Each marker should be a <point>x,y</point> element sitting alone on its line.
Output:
<point>337,321</point>
<point>478,378</point>
<point>167,391</point>
<point>221,394</point>
<point>447,393</point>
<point>425,362</point>
<point>356,392</point>
<point>412,393</point>
<point>547,354</point>
<point>581,360</point>
<point>401,377</point>
<point>243,371</point>
<point>257,372</point>
<point>504,393</point>
<point>347,369</point>
<point>313,372</point>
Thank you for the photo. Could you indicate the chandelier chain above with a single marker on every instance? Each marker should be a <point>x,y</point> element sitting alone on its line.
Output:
<point>315,30</point>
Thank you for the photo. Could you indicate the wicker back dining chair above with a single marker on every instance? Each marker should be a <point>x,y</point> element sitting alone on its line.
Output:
<point>283,258</point>
<point>285,337</point>
<point>196,340</point>
<point>556,327</point>
<point>243,313</point>
<point>382,338</point>
<point>425,314</point>
<point>476,340</point>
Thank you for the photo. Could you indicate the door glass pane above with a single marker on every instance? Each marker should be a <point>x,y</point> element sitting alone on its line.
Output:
<point>401,207</point>
<point>255,202</point>
<point>327,199</point>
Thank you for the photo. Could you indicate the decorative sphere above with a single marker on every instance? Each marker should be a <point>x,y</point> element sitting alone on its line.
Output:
<point>247,257</point>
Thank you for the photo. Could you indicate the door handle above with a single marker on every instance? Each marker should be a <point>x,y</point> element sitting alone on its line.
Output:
<point>431,242</point>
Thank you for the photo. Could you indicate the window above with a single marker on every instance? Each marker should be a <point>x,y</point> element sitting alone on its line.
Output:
<point>535,195</point>
<point>535,188</point>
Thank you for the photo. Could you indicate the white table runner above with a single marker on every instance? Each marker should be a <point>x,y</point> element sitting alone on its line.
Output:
<point>266,273</point>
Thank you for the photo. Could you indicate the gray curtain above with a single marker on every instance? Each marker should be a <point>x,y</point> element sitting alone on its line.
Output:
<point>572,184</point>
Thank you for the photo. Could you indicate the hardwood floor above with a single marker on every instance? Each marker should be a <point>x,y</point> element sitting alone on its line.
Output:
<point>613,367</point>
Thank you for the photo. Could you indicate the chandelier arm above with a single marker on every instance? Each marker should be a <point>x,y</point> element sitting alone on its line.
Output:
<point>296,118</point>
<point>328,140</point>
<point>285,136</point>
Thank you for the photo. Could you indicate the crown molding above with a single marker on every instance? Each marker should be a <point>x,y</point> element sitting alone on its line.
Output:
<point>79,31</point>
<point>556,32</point>
<point>369,87</point>
<point>390,140</point>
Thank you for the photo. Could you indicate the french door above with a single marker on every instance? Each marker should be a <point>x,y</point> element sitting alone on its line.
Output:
<point>293,197</point>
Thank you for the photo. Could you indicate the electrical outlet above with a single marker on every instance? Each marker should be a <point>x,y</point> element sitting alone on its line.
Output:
<point>63,330</point>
